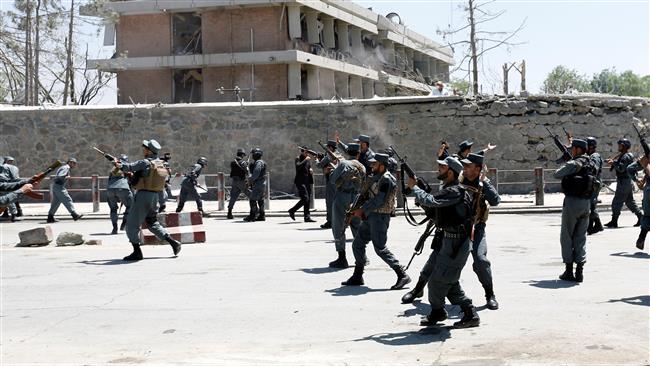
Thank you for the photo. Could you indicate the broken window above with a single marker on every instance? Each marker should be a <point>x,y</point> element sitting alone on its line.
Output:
<point>186,33</point>
<point>188,86</point>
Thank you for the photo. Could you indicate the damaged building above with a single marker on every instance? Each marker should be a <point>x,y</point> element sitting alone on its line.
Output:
<point>179,51</point>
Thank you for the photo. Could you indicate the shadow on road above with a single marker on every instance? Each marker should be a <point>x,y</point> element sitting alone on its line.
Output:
<point>641,255</point>
<point>313,229</point>
<point>354,290</point>
<point>422,336</point>
<point>643,300</point>
<point>113,262</point>
<point>551,284</point>
<point>418,309</point>
<point>320,270</point>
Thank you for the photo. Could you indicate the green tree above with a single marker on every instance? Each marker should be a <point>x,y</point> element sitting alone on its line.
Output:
<point>461,85</point>
<point>627,83</point>
<point>561,79</point>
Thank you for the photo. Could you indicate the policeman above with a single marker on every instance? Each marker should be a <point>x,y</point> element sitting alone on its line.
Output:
<point>375,213</point>
<point>624,186</point>
<point>60,194</point>
<point>118,190</point>
<point>167,192</point>
<point>188,186</point>
<point>150,174</point>
<point>578,184</point>
<point>365,153</point>
<point>347,179</point>
<point>10,173</point>
<point>15,174</point>
<point>257,182</point>
<point>595,225</point>
<point>642,165</point>
<point>453,205</point>
<point>238,174</point>
<point>303,180</point>
<point>464,149</point>
<point>11,192</point>
<point>486,194</point>
<point>326,165</point>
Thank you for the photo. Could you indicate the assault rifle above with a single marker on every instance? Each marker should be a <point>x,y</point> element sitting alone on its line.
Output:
<point>311,152</point>
<point>406,168</point>
<point>333,156</point>
<point>358,202</point>
<point>566,155</point>
<point>644,144</point>
<point>108,157</point>
<point>419,246</point>
<point>39,177</point>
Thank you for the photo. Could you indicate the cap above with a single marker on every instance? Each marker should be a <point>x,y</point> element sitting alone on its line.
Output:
<point>152,145</point>
<point>331,143</point>
<point>72,160</point>
<point>579,143</point>
<point>591,141</point>
<point>241,152</point>
<point>452,163</point>
<point>9,158</point>
<point>465,145</point>
<point>473,159</point>
<point>353,148</point>
<point>379,158</point>
<point>363,138</point>
<point>625,142</point>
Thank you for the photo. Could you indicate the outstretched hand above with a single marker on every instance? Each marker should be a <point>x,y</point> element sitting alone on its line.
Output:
<point>27,188</point>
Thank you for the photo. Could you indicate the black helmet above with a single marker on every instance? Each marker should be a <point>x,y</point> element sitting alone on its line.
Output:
<point>241,153</point>
<point>202,160</point>
<point>257,153</point>
<point>625,142</point>
<point>124,158</point>
<point>591,141</point>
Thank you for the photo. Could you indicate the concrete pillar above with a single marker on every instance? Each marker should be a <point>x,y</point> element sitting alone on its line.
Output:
<point>313,35</point>
<point>421,63</point>
<point>356,87</point>
<point>368,88</point>
<point>357,46</point>
<point>342,84</point>
<point>326,83</point>
<point>409,58</point>
<point>399,56</point>
<point>344,37</point>
<point>389,51</point>
<point>329,40</point>
<point>380,88</point>
<point>293,18</point>
<point>295,82</point>
<point>313,90</point>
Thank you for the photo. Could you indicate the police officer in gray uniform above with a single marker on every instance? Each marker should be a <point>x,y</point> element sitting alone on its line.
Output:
<point>330,188</point>
<point>365,152</point>
<point>347,178</point>
<point>150,174</point>
<point>595,225</point>
<point>11,192</point>
<point>188,186</point>
<point>642,165</point>
<point>238,174</point>
<point>375,212</point>
<point>60,194</point>
<point>10,173</point>
<point>578,183</point>
<point>257,183</point>
<point>118,190</point>
<point>624,186</point>
<point>453,205</point>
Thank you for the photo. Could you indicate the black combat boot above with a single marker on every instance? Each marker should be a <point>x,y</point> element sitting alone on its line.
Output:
<point>402,278</point>
<point>76,216</point>
<point>261,216</point>
<point>356,279</point>
<point>640,242</point>
<point>435,316</point>
<point>292,214</point>
<point>51,220</point>
<point>180,206</point>
<point>253,212</point>
<point>176,245</point>
<point>492,303</point>
<point>136,255</point>
<point>203,214</point>
<point>578,276</point>
<point>638,221</point>
<point>19,210</point>
<point>470,318</point>
<point>114,232</point>
<point>417,291</point>
<point>612,224</point>
<point>568,273</point>
<point>229,215</point>
<point>341,261</point>
<point>326,225</point>
<point>590,228</point>
<point>598,226</point>
<point>123,225</point>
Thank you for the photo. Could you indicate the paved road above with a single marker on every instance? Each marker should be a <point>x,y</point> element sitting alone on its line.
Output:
<point>261,294</point>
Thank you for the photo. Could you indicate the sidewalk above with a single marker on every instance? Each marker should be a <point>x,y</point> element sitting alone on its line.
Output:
<point>522,204</point>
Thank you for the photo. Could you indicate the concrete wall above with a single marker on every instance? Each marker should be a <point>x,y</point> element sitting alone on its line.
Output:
<point>36,136</point>
<point>156,27</point>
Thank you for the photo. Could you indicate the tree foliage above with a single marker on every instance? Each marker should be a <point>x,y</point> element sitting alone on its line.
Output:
<point>562,80</point>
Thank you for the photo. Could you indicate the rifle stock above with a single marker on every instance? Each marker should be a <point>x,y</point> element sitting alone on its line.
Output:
<point>566,156</point>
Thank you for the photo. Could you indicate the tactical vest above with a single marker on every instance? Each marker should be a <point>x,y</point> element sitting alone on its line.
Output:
<point>155,180</point>
<point>451,217</point>
<point>389,204</point>
<point>251,168</point>
<point>584,182</point>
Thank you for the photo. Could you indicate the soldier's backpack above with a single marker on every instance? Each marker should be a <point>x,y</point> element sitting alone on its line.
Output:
<point>155,181</point>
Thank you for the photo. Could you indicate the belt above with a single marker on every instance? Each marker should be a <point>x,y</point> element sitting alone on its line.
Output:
<point>148,190</point>
<point>450,235</point>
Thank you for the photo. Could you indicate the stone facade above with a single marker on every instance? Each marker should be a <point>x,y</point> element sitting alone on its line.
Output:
<point>415,125</point>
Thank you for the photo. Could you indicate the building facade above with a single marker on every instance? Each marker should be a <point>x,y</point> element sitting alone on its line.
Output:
<point>179,51</point>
